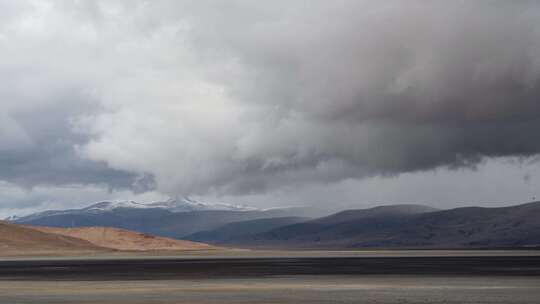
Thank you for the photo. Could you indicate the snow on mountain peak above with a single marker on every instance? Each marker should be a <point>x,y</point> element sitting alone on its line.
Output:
<point>186,204</point>
<point>111,205</point>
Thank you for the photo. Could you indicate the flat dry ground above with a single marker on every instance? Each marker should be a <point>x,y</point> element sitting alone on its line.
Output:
<point>305,289</point>
<point>246,253</point>
<point>267,280</point>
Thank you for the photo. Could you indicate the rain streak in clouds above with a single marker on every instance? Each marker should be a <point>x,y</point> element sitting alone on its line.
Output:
<point>244,98</point>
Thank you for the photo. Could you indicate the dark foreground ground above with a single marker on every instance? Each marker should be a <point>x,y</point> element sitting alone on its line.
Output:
<point>444,278</point>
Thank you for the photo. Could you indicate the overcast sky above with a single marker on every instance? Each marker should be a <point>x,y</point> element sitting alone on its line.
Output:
<point>343,103</point>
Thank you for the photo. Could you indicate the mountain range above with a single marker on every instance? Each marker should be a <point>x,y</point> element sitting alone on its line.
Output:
<point>394,226</point>
<point>173,218</point>
<point>405,226</point>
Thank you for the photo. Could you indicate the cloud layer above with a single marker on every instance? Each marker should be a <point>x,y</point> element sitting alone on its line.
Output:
<point>242,97</point>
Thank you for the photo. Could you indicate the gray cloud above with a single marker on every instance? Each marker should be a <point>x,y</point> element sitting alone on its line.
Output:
<point>46,87</point>
<point>496,182</point>
<point>241,97</point>
<point>39,148</point>
<point>18,200</point>
<point>329,91</point>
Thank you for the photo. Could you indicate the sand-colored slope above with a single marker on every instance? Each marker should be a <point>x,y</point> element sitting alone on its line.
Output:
<point>121,239</point>
<point>20,240</point>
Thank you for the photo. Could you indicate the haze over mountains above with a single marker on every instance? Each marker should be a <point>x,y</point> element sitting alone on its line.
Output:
<point>175,218</point>
<point>394,226</point>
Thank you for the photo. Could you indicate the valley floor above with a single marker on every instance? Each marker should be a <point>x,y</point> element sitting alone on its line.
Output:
<point>278,277</point>
<point>289,289</point>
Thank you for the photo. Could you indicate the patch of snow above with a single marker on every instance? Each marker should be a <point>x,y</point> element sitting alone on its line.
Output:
<point>186,204</point>
<point>11,218</point>
<point>111,205</point>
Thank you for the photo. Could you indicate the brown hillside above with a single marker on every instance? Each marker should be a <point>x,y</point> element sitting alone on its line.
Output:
<point>121,239</point>
<point>20,240</point>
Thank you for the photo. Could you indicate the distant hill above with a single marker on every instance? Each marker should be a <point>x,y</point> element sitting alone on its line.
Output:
<point>120,239</point>
<point>241,230</point>
<point>19,240</point>
<point>405,226</point>
<point>380,211</point>
<point>515,226</point>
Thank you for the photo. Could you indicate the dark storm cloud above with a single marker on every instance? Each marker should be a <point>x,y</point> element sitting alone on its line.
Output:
<point>383,88</point>
<point>235,97</point>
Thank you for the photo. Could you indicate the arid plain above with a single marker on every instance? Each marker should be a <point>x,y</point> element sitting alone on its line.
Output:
<point>276,277</point>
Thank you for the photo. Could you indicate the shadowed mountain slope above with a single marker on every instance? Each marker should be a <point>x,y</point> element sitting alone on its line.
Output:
<point>516,226</point>
<point>380,211</point>
<point>241,230</point>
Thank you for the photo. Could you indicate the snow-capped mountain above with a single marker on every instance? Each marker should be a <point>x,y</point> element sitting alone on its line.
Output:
<point>176,218</point>
<point>178,205</point>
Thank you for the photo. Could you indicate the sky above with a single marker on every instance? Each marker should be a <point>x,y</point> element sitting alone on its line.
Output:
<point>337,104</point>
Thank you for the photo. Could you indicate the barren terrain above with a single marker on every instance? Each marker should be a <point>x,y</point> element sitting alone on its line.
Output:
<point>403,277</point>
<point>20,240</point>
<point>121,239</point>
